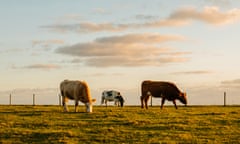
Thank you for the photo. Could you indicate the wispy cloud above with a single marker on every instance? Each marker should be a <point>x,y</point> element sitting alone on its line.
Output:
<point>12,50</point>
<point>100,11</point>
<point>42,66</point>
<point>145,17</point>
<point>145,38</point>
<point>197,72</point>
<point>221,3</point>
<point>70,17</point>
<point>89,27</point>
<point>105,74</point>
<point>235,83</point>
<point>179,17</point>
<point>47,43</point>
<point>209,15</point>
<point>126,50</point>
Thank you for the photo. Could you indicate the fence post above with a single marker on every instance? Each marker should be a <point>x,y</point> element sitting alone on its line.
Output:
<point>151,101</point>
<point>59,99</point>
<point>33,99</point>
<point>10,99</point>
<point>224,97</point>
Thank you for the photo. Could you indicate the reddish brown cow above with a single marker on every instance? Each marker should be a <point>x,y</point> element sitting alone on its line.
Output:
<point>165,90</point>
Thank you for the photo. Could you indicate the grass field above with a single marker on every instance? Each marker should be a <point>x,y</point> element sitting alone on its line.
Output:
<point>130,124</point>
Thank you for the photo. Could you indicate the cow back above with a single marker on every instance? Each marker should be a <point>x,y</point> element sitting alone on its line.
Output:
<point>110,95</point>
<point>77,90</point>
<point>159,89</point>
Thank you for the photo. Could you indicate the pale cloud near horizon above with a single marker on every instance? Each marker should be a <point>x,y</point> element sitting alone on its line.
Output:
<point>180,17</point>
<point>126,50</point>
<point>235,83</point>
<point>196,72</point>
<point>132,62</point>
<point>42,66</point>
<point>38,66</point>
<point>12,50</point>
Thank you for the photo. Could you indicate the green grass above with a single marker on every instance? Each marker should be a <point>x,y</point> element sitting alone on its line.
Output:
<point>130,124</point>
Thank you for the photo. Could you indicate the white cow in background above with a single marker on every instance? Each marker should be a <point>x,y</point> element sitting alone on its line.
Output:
<point>112,95</point>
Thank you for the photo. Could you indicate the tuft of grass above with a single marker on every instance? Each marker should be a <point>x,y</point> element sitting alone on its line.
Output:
<point>130,124</point>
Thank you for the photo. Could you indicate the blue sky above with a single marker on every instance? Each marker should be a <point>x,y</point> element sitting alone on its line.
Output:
<point>118,44</point>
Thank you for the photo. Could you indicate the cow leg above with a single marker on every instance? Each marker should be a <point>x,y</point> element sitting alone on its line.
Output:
<point>102,100</point>
<point>142,104</point>
<point>106,102</point>
<point>163,101</point>
<point>117,103</point>
<point>65,108</point>
<point>76,105</point>
<point>174,102</point>
<point>146,101</point>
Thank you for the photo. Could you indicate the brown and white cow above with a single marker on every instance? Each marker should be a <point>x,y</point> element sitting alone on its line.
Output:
<point>78,91</point>
<point>161,89</point>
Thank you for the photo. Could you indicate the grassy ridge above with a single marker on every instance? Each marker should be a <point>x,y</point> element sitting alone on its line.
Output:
<point>48,124</point>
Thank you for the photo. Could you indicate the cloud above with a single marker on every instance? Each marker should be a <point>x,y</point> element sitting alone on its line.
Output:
<point>222,3</point>
<point>90,27</point>
<point>132,61</point>
<point>70,17</point>
<point>105,74</point>
<point>100,11</point>
<point>12,50</point>
<point>85,27</point>
<point>209,15</point>
<point>145,17</point>
<point>126,50</point>
<point>231,83</point>
<point>42,66</point>
<point>127,45</point>
<point>193,72</point>
<point>140,38</point>
<point>180,17</point>
<point>47,43</point>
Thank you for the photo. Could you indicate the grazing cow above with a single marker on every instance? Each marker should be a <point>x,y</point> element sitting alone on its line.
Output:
<point>165,90</point>
<point>112,96</point>
<point>78,91</point>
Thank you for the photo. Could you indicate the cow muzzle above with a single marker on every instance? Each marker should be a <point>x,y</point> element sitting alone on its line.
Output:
<point>88,107</point>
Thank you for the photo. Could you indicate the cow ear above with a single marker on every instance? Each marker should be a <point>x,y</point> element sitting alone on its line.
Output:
<point>93,100</point>
<point>183,94</point>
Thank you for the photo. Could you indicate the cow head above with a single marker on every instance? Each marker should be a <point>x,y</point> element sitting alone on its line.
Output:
<point>89,106</point>
<point>121,100</point>
<point>183,98</point>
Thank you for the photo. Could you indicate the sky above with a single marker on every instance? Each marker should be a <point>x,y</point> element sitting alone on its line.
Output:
<point>117,44</point>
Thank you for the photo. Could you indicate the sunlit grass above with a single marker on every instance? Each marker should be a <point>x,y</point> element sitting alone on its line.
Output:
<point>131,124</point>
